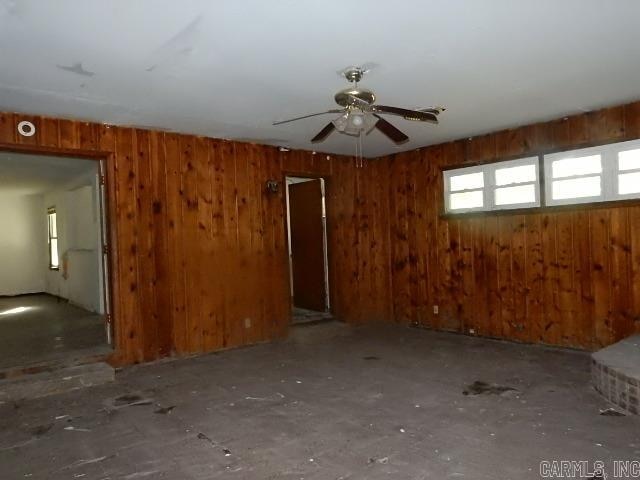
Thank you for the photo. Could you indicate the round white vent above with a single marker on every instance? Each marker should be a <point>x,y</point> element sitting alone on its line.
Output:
<point>26,128</point>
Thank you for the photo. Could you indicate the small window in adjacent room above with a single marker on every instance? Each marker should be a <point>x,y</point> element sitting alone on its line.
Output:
<point>54,261</point>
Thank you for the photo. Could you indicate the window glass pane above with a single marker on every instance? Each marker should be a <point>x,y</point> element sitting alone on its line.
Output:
<point>629,183</point>
<point>515,195</point>
<point>521,174</point>
<point>629,160</point>
<point>576,188</point>
<point>467,181</point>
<point>570,167</point>
<point>462,200</point>
<point>54,252</point>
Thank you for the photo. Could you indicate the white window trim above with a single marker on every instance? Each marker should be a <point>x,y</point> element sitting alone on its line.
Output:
<point>622,147</point>
<point>608,177</point>
<point>447,174</point>
<point>520,162</point>
<point>548,176</point>
<point>488,191</point>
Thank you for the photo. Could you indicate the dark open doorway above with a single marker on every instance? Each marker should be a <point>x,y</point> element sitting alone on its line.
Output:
<point>308,255</point>
<point>54,301</point>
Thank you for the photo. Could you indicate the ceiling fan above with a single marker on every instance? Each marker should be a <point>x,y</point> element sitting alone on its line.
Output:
<point>360,115</point>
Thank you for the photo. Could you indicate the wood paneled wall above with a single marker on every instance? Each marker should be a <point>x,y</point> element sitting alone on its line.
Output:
<point>198,246</point>
<point>569,277</point>
<point>199,254</point>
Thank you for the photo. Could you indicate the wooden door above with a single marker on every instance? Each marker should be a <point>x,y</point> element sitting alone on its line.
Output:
<point>307,245</point>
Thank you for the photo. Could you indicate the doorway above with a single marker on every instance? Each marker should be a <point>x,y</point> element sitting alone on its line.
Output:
<point>308,249</point>
<point>54,305</point>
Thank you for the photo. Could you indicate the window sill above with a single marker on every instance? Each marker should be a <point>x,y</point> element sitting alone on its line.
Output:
<point>635,202</point>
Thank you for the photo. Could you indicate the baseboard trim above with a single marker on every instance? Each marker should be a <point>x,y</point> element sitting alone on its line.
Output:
<point>24,294</point>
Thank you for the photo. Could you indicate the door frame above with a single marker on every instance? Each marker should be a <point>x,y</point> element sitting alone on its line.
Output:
<point>328,233</point>
<point>106,168</point>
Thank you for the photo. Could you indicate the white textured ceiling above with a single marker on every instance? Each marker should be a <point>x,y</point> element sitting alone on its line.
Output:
<point>22,174</point>
<point>229,68</point>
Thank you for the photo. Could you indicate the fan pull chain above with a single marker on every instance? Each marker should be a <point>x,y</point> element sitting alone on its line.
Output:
<point>359,152</point>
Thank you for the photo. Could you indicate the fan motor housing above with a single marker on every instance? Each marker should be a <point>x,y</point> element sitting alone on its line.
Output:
<point>343,97</point>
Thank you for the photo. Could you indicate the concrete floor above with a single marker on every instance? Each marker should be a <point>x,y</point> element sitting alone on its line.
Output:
<point>330,403</point>
<point>47,330</point>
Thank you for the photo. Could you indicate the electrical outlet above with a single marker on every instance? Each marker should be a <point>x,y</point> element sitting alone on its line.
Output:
<point>435,309</point>
<point>247,323</point>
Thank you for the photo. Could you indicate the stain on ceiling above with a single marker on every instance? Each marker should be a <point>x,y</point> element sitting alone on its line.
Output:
<point>228,69</point>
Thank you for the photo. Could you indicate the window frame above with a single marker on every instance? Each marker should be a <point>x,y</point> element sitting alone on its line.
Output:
<point>548,160</point>
<point>447,174</point>
<point>52,211</point>
<point>610,170</point>
<point>490,185</point>
<point>609,177</point>
<point>623,147</point>
<point>518,162</point>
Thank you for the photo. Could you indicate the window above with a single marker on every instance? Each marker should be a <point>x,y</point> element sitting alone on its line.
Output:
<point>628,179</point>
<point>54,261</point>
<point>494,186</point>
<point>574,177</point>
<point>596,174</point>
<point>466,189</point>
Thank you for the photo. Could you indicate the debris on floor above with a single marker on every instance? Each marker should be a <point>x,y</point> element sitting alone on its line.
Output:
<point>129,400</point>
<point>41,429</point>
<point>204,437</point>
<point>394,417</point>
<point>76,429</point>
<point>611,412</point>
<point>483,388</point>
<point>165,410</point>
<point>371,357</point>
<point>274,397</point>
<point>90,461</point>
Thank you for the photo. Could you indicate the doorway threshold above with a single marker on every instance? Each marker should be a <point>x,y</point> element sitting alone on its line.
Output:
<point>51,363</point>
<point>303,316</point>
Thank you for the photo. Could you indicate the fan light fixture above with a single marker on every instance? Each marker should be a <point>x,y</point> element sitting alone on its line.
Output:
<point>355,123</point>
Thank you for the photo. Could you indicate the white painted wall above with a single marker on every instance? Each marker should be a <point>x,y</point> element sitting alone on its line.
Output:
<point>79,278</point>
<point>23,240</point>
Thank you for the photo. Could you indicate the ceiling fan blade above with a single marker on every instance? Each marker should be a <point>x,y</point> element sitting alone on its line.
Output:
<point>390,131</point>
<point>324,133</point>
<point>310,115</point>
<point>415,115</point>
<point>434,110</point>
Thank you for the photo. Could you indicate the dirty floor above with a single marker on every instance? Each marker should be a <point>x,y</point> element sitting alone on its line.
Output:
<point>365,403</point>
<point>302,315</point>
<point>42,328</point>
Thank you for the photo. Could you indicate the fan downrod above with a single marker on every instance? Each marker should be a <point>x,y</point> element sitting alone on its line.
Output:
<point>354,75</point>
